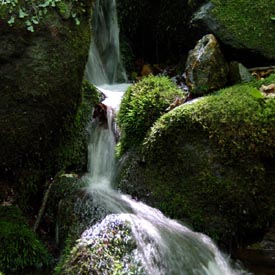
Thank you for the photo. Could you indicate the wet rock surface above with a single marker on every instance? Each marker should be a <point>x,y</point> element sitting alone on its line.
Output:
<point>206,69</point>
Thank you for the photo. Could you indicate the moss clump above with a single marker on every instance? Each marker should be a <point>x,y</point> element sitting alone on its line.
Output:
<point>249,23</point>
<point>142,104</point>
<point>211,162</point>
<point>19,248</point>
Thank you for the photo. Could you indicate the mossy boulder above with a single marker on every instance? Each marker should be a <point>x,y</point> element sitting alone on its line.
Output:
<point>106,248</point>
<point>211,162</point>
<point>243,25</point>
<point>40,82</point>
<point>71,208</point>
<point>142,104</point>
<point>19,246</point>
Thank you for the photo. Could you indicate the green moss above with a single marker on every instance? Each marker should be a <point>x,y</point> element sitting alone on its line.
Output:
<point>206,163</point>
<point>142,104</point>
<point>248,22</point>
<point>67,207</point>
<point>20,247</point>
<point>72,152</point>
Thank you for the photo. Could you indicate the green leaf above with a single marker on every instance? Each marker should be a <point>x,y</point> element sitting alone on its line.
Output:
<point>30,28</point>
<point>11,20</point>
<point>22,14</point>
<point>77,22</point>
<point>35,20</point>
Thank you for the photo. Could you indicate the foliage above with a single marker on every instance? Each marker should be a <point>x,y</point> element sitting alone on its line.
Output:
<point>69,243</point>
<point>106,248</point>
<point>31,13</point>
<point>142,104</point>
<point>266,81</point>
<point>248,22</point>
<point>210,163</point>
<point>20,247</point>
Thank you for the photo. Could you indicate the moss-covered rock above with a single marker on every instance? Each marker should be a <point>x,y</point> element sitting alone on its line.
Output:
<point>19,246</point>
<point>71,152</point>
<point>106,248</point>
<point>211,162</point>
<point>40,87</point>
<point>142,104</point>
<point>71,209</point>
<point>242,24</point>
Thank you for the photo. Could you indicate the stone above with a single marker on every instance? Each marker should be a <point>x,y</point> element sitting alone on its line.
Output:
<point>244,27</point>
<point>209,163</point>
<point>238,73</point>
<point>40,87</point>
<point>206,68</point>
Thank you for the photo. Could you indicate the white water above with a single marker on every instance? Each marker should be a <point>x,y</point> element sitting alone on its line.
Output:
<point>165,246</point>
<point>104,63</point>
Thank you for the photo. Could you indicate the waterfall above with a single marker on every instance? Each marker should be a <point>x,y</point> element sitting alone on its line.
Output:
<point>165,247</point>
<point>104,64</point>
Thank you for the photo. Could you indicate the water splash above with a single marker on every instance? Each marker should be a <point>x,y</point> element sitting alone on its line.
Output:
<point>165,247</point>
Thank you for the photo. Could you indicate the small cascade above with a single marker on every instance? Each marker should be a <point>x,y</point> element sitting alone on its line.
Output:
<point>104,64</point>
<point>164,246</point>
<point>101,162</point>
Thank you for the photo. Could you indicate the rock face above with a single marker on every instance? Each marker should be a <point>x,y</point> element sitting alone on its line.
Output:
<point>206,68</point>
<point>210,163</point>
<point>40,79</point>
<point>240,25</point>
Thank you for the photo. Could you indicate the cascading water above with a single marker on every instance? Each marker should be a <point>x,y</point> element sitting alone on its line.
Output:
<point>104,65</point>
<point>164,246</point>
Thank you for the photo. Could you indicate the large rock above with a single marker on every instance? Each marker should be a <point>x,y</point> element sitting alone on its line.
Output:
<point>206,68</point>
<point>40,84</point>
<point>241,25</point>
<point>211,163</point>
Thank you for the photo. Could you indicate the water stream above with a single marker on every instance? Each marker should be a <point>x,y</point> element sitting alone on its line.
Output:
<point>165,247</point>
<point>104,64</point>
